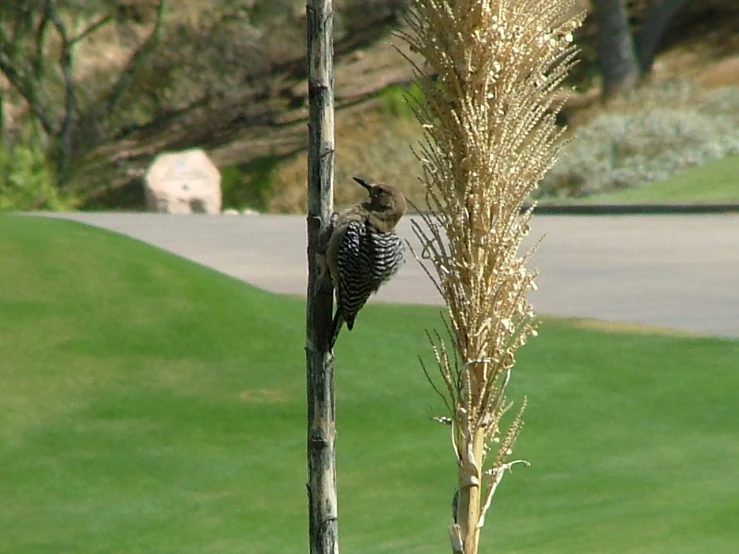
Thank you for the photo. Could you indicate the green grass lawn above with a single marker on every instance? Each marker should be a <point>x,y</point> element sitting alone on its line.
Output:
<point>714,182</point>
<point>150,405</point>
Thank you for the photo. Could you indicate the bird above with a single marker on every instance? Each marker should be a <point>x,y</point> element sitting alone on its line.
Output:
<point>363,250</point>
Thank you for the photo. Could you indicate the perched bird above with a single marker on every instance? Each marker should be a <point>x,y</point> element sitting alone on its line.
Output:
<point>363,250</point>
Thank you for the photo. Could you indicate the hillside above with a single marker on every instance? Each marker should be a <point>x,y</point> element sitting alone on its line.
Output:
<point>253,122</point>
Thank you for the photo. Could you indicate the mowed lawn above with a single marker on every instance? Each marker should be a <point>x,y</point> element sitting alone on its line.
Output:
<point>151,405</point>
<point>713,182</point>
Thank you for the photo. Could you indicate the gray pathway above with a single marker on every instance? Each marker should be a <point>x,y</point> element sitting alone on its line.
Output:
<point>678,271</point>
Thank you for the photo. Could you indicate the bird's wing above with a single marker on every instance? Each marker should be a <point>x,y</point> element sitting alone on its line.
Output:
<point>355,268</point>
<point>388,253</point>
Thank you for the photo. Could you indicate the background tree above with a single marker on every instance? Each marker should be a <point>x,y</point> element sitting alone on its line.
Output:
<point>619,66</point>
<point>38,43</point>
<point>653,28</point>
<point>624,57</point>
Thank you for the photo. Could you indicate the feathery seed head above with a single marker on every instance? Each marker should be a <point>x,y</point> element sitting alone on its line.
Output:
<point>491,72</point>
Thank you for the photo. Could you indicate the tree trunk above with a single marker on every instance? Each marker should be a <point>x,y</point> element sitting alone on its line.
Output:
<point>322,505</point>
<point>652,30</point>
<point>618,62</point>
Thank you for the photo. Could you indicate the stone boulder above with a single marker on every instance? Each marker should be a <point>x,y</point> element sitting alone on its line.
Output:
<point>183,183</point>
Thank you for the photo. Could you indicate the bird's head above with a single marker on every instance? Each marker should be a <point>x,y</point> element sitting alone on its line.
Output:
<point>385,201</point>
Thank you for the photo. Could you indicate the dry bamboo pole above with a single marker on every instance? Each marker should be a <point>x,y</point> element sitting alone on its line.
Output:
<point>322,507</point>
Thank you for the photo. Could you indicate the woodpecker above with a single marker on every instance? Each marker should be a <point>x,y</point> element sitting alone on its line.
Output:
<point>363,250</point>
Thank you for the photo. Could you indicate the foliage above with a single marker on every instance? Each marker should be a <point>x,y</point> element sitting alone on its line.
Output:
<point>111,441</point>
<point>26,180</point>
<point>722,102</point>
<point>401,99</point>
<point>711,182</point>
<point>249,186</point>
<point>73,117</point>
<point>631,147</point>
<point>231,187</point>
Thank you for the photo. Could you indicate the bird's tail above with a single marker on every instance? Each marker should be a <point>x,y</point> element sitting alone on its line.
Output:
<point>336,325</point>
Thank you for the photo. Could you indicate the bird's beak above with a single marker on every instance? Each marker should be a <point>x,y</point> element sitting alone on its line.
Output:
<point>364,183</point>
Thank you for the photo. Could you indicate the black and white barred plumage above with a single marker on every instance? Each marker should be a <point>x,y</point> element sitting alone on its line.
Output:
<point>363,251</point>
<point>367,259</point>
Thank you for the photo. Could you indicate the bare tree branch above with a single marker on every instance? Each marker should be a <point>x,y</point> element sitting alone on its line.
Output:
<point>22,25</point>
<point>102,22</point>
<point>39,58</point>
<point>28,91</point>
<point>70,96</point>
<point>146,48</point>
<point>3,121</point>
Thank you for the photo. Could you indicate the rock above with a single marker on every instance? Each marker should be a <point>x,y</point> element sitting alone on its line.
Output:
<point>183,183</point>
<point>249,211</point>
<point>230,211</point>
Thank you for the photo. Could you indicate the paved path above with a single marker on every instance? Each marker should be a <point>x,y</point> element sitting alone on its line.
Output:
<point>669,271</point>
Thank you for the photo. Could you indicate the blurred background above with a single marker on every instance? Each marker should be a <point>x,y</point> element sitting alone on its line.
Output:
<point>91,91</point>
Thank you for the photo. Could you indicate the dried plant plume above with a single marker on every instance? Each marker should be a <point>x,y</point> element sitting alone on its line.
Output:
<point>491,76</point>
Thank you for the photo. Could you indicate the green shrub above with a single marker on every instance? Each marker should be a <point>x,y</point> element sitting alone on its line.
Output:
<point>249,185</point>
<point>27,181</point>
<point>620,150</point>
<point>722,102</point>
<point>398,100</point>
